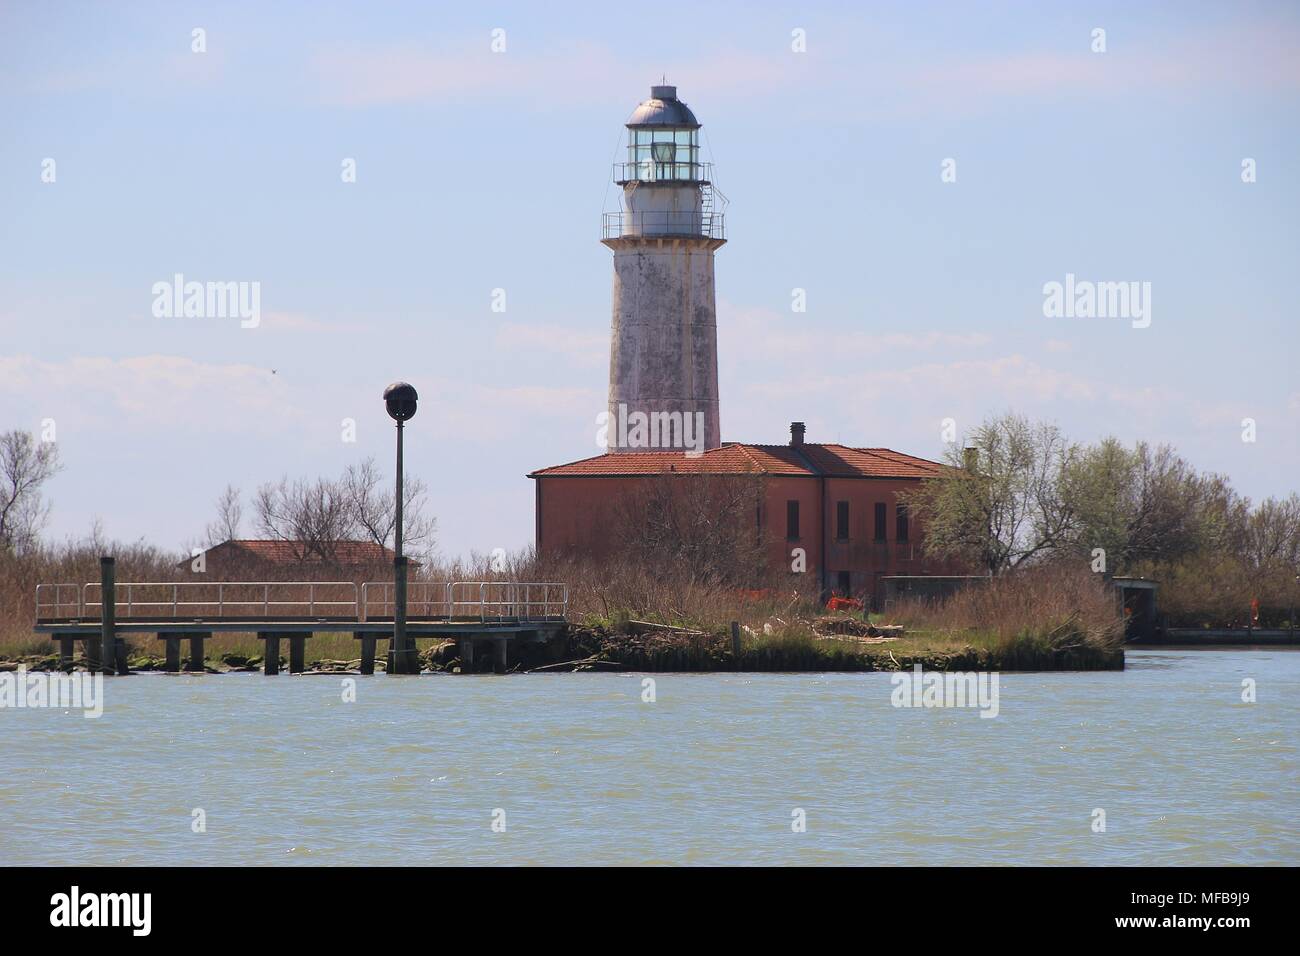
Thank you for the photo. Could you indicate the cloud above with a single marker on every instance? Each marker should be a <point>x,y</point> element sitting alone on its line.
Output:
<point>1256,58</point>
<point>587,349</point>
<point>301,322</point>
<point>759,333</point>
<point>151,391</point>
<point>357,76</point>
<point>139,400</point>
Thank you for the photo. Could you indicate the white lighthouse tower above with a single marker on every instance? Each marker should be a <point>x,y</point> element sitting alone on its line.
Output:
<point>663,361</point>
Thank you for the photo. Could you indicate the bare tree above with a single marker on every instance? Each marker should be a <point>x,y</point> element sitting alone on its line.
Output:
<point>370,499</point>
<point>230,514</point>
<point>703,527</point>
<point>25,466</point>
<point>314,517</point>
<point>311,517</point>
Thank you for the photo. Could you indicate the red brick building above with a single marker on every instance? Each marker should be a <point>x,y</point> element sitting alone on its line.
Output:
<point>839,504</point>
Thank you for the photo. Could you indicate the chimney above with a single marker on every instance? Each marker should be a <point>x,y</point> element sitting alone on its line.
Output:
<point>796,433</point>
<point>971,459</point>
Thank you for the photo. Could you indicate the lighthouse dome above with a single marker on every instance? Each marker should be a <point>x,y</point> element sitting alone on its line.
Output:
<point>663,109</point>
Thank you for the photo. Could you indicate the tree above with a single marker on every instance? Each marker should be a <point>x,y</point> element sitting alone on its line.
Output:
<point>1271,536</point>
<point>313,517</point>
<point>371,502</point>
<point>230,514</point>
<point>698,526</point>
<point>1146,505</point>
<point>1000,503</point>
<point>25,466</point>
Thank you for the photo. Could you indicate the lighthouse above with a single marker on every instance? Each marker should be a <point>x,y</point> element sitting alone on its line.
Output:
<point>663,359</point>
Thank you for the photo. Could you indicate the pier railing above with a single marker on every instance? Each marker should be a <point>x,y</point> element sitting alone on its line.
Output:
<point>469,600</point>
<point>187,600</point>
<point>303,600</point>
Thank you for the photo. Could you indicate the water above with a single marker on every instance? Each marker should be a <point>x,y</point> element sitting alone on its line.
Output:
<point>288,773</point>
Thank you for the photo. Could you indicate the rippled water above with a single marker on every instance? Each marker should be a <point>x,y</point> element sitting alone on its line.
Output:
<point>286,772</point>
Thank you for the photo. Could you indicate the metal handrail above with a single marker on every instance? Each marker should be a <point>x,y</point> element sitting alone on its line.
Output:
<point>663,223</point>
<point>653,171</point>
<point>521,600</point>
<point>419,595</point>
<point>484,600</point>
<point>311,602</point>
<point>58,601</point>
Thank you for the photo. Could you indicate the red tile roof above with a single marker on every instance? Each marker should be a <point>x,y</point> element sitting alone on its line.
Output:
<point>734,458</point>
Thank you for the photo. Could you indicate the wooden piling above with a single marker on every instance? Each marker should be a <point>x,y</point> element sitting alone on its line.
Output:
<point>271,662</point>
<point>367,639</point>
<point>105,649</point>
<point>195,662</point>
<point>297,652</point>
<point>66,646</point>
<point>467,653</point>
<point>172,660</point>
<point>735,643</point>
<point>499,655</point>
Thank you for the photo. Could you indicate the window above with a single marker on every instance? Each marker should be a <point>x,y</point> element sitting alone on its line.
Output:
<point>792,520</point>
<point>841,520</point>
<point>880,521</point>
<point>662,153</point>
<point>902,523</point>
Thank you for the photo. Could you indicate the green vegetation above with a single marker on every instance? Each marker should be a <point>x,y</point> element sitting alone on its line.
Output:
<point>1020,495</point>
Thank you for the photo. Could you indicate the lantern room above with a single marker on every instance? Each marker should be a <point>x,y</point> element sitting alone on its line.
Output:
<point>666,189</point>
<point>663,141</point>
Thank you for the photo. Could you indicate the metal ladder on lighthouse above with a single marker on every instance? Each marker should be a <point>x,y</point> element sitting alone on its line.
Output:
<point>711,218</point>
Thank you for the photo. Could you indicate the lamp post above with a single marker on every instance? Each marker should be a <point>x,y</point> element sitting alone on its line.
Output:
<point>400,400</point>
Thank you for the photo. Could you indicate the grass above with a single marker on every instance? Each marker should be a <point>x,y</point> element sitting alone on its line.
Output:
<point>1040,619</point>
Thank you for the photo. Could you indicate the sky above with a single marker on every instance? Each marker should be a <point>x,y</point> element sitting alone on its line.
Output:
<point>835,130</point>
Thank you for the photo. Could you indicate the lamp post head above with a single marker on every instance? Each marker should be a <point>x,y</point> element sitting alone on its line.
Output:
<point>400,398</point>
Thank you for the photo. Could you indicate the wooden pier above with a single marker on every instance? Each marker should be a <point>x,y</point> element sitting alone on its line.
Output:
<point>184,614</point>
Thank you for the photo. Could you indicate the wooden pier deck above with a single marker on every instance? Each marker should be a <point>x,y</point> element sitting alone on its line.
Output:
<point>473,613</point>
